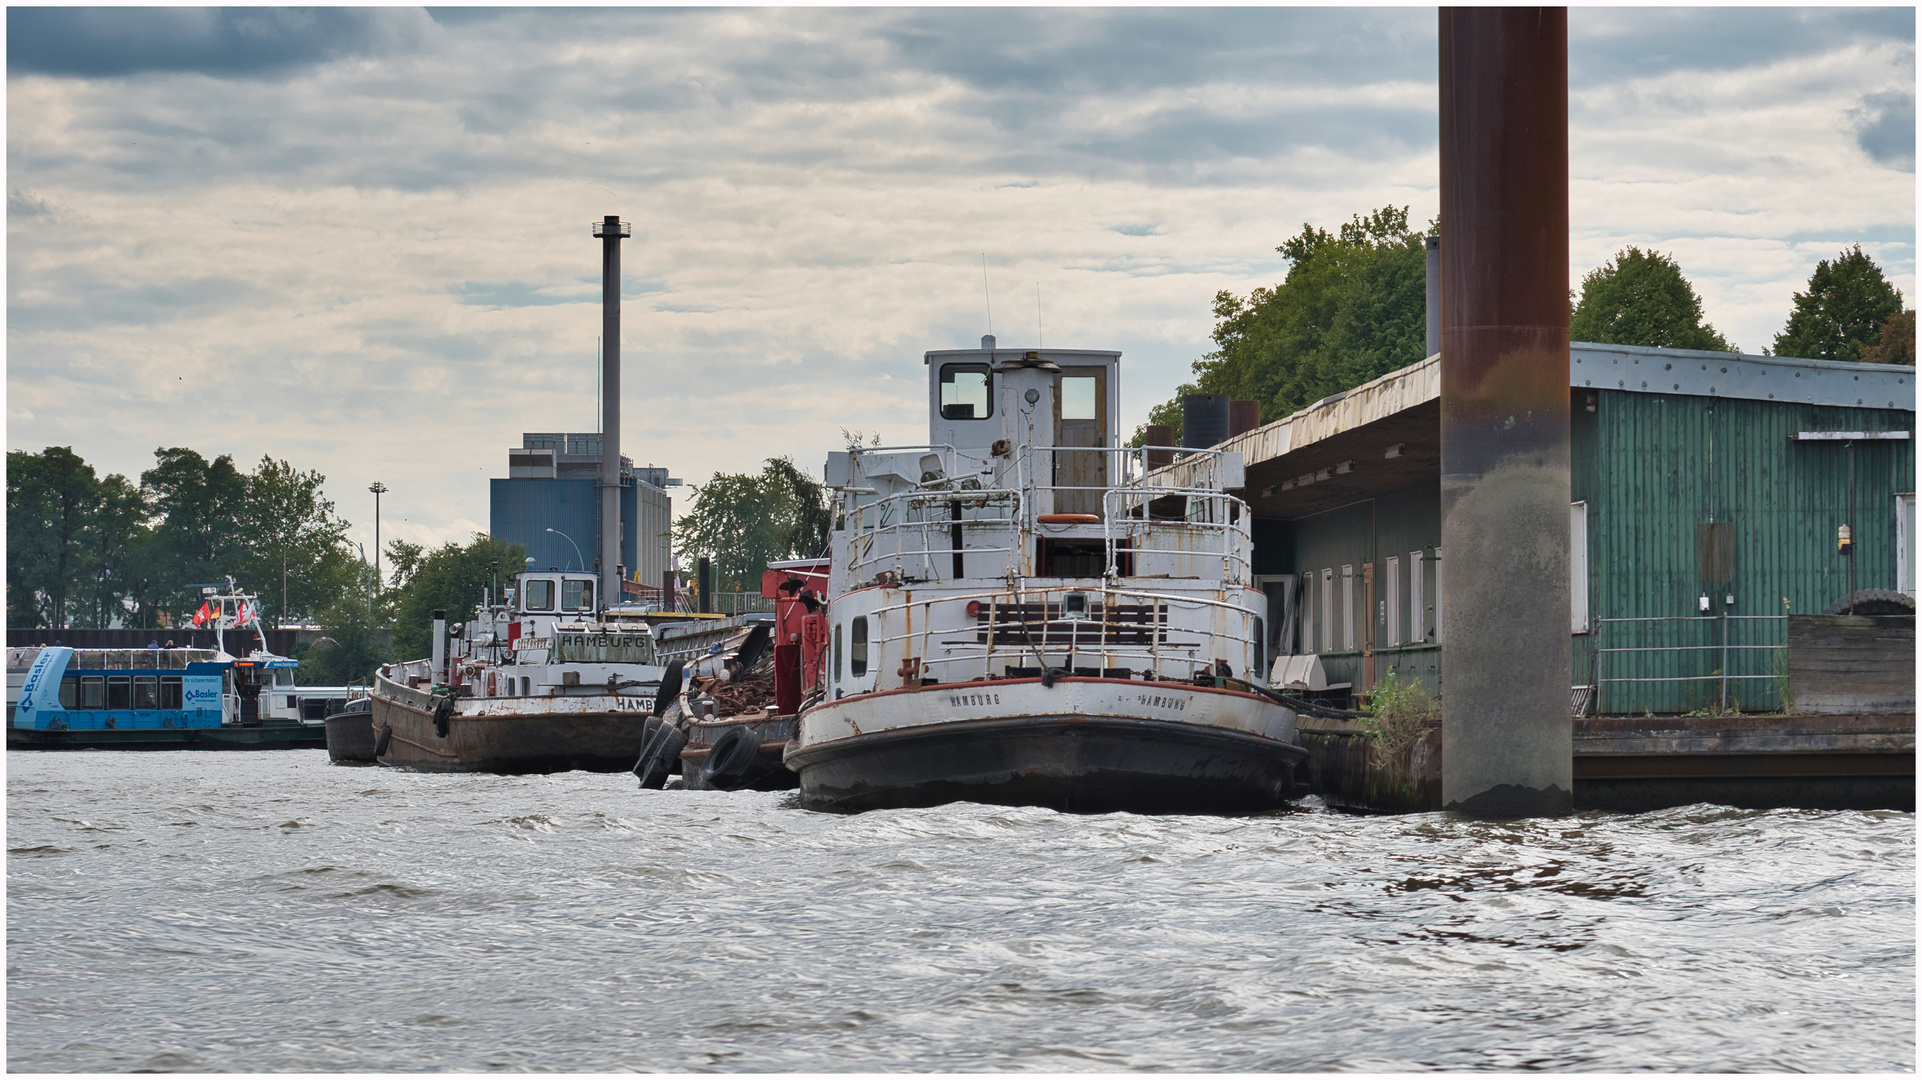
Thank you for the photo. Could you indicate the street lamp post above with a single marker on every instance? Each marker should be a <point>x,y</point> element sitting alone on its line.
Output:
<point>378,489</point>
<point>577,547</point>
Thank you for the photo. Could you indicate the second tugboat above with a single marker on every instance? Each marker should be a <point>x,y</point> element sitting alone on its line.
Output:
<point>545,682</point>
<point>1023,613</point>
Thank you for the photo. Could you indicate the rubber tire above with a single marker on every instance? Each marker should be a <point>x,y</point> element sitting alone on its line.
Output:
<point>1874,602</point>
<point>382,735</point>
<point>658,759</point>
<point>670,687</point>
<point>730,764</point>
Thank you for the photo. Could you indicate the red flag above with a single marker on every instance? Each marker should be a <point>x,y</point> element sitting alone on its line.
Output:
<point>204,615</point>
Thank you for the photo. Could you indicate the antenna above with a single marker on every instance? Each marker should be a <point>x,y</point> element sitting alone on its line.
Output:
<point>984,293</point>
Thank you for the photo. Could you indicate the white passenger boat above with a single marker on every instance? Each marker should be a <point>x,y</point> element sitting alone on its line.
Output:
<point>1022,613</point>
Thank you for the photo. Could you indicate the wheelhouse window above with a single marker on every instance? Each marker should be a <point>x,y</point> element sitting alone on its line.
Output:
<point>1078,398</point>
<point>858,660</point>
<point>577,596</point>
<point>964,392</point>
<point>540,594</point>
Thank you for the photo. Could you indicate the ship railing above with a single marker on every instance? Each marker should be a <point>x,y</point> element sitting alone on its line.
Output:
<point>1165,652</point>
<point>909,532</point>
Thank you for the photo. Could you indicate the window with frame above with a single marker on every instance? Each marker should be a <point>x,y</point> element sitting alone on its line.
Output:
<point>1327,609</point>
<point>1348,607</point>
<point>1392,602</point>
<point>964,392</point>
<point>93,691</point>
<point>69,691</point>
<point>858,647</point>
<point>837,652</point>
<point>1078,397</point>
<point>540,595</point>
<point>170,692</point>
<point>119,692</point>
<point>577,596</point>
<point>1417,602</point>
<point>146,692</point>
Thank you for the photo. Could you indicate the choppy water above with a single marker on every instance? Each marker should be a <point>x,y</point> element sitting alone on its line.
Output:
<point>270,911</point>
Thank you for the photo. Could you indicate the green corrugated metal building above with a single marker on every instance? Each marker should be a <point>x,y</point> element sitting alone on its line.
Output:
<point>1706,494</point>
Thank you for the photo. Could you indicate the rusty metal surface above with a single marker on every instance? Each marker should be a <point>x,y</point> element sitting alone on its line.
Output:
<point>1504,410</point>
<point>509,742</point>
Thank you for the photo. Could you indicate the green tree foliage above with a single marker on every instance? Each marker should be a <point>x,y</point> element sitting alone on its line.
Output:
<point>453,578</point>
<point>295,546</point>
<point>88,551</point>
<point>1641,298</point>
<point>51,498</point>
<point>1353,307</point>
<point>1847,303</point>
<point>1898,341</point>
<point>348,650</point>
<point>742,522</point>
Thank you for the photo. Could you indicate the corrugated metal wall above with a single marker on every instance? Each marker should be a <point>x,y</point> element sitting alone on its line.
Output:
<point>1654,467</point>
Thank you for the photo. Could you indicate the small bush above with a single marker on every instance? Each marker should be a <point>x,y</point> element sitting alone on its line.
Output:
<point>1397,716</point>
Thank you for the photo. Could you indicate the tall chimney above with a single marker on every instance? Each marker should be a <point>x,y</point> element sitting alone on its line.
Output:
<point>1507,742</point>
<point>611,230</point>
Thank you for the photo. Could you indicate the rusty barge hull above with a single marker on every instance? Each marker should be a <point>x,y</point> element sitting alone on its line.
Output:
<point>592,733</point>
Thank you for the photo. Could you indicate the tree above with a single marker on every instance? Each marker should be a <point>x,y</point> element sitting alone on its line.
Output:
<point>349,649</point>
<point>1898,341</point>
<point>1353,307</point>
<point>50,503</point>
<point>742,522</point>
<point>294,542</point>
<point>453,578</point>
<point>198,505</point>
<point>1641,298</point>
<point>1843,311</point>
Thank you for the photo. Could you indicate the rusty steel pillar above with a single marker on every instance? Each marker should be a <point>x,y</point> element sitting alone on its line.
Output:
<point>1507,740</point>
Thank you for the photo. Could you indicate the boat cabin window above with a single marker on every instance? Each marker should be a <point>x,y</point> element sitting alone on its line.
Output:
<point>1078,397</point>
<point>170,692</point>
<point>93,691</point>
<point>837,653</point>
<point>70,692</point>
<point>284,677</point>
<point>119,692</point>
<point>146,692</point>
<point>858,660</point>
<point>577,596</point>
<point>964,392</point>
<point>540,595</point>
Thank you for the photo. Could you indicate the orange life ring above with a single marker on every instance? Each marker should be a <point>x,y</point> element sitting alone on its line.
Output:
<point>1068,519</point>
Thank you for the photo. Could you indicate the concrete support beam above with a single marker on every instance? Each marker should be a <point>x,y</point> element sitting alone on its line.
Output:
<point>1507,740</point>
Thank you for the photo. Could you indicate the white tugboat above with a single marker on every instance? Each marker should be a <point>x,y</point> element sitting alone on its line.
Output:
<point>546,682</point>
<point>1022,614</point>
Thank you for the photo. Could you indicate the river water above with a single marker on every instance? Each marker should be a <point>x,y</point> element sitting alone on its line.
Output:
<point>270,911</point>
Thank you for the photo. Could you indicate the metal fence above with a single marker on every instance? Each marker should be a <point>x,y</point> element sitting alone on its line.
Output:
<point>1690,663</point>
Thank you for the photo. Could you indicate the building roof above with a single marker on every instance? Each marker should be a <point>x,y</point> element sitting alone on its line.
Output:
<point>1391,422</point>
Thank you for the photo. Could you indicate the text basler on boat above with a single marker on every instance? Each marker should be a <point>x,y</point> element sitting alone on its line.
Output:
<point>1023,614</point>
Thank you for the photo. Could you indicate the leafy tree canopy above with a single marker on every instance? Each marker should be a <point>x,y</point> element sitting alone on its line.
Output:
<point>1847,303</point>
<point>349,649</point>
<point>742,522</point>
<point>1353,307</point>
<point>1641,298</point>
<point>1898,341</point>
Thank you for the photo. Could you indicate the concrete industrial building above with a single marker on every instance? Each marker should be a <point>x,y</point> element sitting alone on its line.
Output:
<point>551,485</point>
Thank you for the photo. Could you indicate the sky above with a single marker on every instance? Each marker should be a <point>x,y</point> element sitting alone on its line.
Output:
<point>358,240</point>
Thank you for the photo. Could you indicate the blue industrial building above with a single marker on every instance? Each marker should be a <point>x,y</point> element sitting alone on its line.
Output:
<point>550,503</point>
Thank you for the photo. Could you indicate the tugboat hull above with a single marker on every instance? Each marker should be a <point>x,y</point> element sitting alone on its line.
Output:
<point>593,733</point>
<point>1078,760</point>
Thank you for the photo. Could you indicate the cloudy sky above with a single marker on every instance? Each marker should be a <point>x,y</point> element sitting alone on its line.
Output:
<point>359,240</point>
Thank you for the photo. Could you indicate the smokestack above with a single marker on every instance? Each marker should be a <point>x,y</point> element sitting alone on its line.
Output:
<point>1507,743</point>
<point>611,230</point>
<point>438,658</point>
